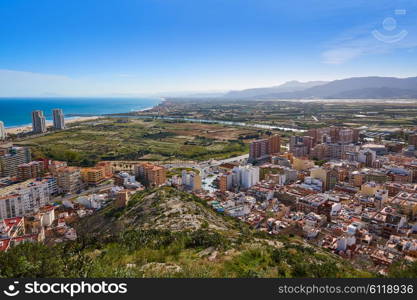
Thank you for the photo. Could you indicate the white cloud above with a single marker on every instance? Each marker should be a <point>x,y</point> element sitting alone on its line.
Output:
<point>340,55</point>
<point>362,41</point>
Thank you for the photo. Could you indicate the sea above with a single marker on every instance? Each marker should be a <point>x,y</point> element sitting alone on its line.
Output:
<point>15,112</point>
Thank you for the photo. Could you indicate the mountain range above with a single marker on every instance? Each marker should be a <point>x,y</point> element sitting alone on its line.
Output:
<point>350,88</point>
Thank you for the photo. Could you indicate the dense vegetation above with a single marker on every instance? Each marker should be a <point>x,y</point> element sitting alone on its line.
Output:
<point>133,254</point>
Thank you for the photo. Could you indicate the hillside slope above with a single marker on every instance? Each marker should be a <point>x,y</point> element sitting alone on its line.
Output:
<point>162,209</point>
<point>167,233</point>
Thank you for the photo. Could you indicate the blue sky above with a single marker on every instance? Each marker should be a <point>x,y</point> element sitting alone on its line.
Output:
<point>138,47</point>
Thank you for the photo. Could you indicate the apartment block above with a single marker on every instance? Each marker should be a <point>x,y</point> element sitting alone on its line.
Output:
<point>263,149</point>
<point>247,176</point>
<point>191,180</point>
<point>24,198</point>
<point>10,158</point>
<point>69,179</point>
<point>107,166</point>
<point>93,176</point>
<point>34,169</point>
<point>150,174</point>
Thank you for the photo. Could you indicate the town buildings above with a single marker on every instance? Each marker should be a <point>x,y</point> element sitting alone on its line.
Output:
<point>246,176</point>
<point>126,180</point>
<point>33,169</point>
<point>10,159</point>
<point>69,179</point>
<point>191,180</point>
<point>341,135</point>
<point>122,198</point>
<point>93,176</point>
<point>328,177</point>
<point>24,198</point>
<point>150,174</point>
<point>263,149</point>
<point>301,145</point>
<point>357,200</point>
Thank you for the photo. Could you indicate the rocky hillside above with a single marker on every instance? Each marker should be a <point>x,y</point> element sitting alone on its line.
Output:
<point>167,233</point>
<point>162,209</point>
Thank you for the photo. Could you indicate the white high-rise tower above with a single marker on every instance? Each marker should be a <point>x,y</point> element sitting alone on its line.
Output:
<point>2,131</point>
<point>38,122</point>
<point>59,121</point>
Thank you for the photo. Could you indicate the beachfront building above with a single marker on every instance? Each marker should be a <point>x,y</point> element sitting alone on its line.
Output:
<point>59,122</point>
<point>2,131</point>
<point>38,122</point>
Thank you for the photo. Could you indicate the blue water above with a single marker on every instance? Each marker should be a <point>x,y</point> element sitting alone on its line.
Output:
<point>18,111</point>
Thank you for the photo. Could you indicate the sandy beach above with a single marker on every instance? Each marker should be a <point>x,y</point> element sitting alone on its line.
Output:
<point>28,128</point>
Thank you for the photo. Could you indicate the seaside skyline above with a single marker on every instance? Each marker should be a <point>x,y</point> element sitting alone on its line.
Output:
<point>16,112</point>
<point>130,48</point>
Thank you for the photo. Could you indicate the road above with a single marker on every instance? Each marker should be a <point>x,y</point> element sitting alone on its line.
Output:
<point>206,164</point>
<point>91,190</point>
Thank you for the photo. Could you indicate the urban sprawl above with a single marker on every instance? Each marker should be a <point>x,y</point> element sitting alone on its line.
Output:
<point>331,186</point>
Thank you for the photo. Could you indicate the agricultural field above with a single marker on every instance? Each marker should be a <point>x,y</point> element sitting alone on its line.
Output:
<point>131,139</point>
<point>300,114</point>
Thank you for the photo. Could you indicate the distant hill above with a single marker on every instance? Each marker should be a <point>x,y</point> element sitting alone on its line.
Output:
<point>288,87</point>
<point>354,88</point>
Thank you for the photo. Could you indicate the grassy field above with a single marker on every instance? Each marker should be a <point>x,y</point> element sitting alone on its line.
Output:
<point>111,139</point>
